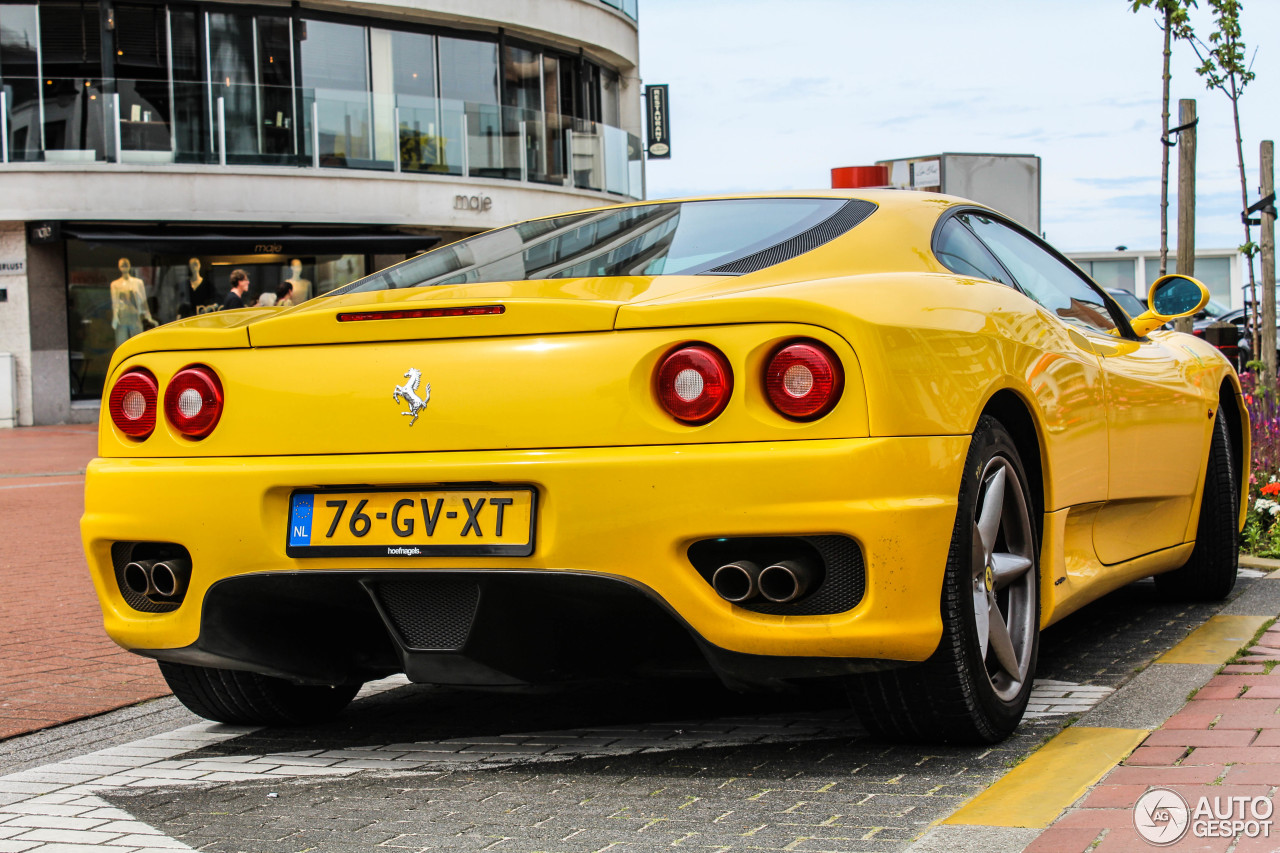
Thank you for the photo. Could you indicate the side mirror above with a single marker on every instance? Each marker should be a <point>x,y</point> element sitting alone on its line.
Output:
<point>1170,297</point>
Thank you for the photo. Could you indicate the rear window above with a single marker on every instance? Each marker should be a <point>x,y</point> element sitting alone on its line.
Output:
<point>685,238</point>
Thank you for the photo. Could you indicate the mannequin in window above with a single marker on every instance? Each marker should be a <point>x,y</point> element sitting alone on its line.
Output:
<point>201,294</point>
<point>301,286</point>
<point>129,304</point>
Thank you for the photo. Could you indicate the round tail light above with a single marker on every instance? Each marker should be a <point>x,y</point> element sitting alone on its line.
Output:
<point>694,383</point>
<point>803,380</point>
<point>193,401</point>
<point>133,402</point>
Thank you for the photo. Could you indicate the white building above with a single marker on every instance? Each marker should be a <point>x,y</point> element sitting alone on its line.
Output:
<point>1221,270</point>
<point>158,146</point>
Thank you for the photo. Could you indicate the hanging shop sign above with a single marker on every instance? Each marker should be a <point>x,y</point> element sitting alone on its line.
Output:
<point>655,98</point>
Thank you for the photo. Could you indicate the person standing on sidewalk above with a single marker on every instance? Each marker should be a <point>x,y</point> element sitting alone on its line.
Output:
<point>239,284</point>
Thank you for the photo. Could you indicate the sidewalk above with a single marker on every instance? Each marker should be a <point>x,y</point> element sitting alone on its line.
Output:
<point>56,662</point>
<point>1189,726</point>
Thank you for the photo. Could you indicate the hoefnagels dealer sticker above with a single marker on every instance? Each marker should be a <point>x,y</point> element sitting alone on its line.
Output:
<point>1162,817</point>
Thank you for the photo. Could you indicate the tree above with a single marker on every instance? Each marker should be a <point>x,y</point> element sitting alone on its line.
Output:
<point>1176,25</point>
<point>1223,67</point>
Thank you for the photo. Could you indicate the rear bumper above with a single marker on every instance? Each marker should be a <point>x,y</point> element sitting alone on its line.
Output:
<point>626,514</point>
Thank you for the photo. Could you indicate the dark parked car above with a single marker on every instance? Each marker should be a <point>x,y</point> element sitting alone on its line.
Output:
<point>1238,346</point>
<point>1132,305</point>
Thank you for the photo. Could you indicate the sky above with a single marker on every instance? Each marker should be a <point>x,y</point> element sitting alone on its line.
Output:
<point>772,94</point>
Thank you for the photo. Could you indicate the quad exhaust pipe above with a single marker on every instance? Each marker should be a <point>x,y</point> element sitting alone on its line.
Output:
<point>159,580</point>
<point>781,582</point>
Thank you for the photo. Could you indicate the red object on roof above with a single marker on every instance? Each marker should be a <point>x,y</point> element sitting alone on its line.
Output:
<point>855,177</point>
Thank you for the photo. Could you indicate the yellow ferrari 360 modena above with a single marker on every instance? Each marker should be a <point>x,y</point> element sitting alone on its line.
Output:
<point>879,436</point>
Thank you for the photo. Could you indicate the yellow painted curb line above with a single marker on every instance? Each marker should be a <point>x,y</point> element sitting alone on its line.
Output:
<point>1035,792</point>
<point>1216,641</point>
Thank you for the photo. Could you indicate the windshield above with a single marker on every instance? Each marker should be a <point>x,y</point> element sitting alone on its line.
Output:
<point>684,238</point>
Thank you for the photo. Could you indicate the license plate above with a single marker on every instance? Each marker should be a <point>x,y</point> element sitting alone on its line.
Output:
<point>451,521</point>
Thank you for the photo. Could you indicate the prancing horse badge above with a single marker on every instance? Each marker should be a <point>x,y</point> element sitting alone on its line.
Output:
<point>408,392</point>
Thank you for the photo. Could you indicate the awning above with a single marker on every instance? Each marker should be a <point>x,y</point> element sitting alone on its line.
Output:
<point>221,239</point>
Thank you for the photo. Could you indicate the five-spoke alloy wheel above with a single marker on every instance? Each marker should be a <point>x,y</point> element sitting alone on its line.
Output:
<point>1004,587</point>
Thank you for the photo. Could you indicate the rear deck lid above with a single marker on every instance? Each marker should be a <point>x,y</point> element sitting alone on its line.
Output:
<point>488,309</point>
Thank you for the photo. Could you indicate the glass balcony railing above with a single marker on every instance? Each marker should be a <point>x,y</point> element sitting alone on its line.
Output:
<point>154,122</point>
<point>630,8</point>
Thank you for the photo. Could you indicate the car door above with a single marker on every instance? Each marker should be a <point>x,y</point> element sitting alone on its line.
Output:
<point>1157,430</point>
<point>1061,371</point>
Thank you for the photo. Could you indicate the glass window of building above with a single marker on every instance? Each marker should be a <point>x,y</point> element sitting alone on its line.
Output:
<point>554,120</point>
<point>193,140</point>
<point>421,135</point>
<point>522,78</point>
<point>250,62</point>
<point>524,91</point>
<point>470,93</point>
<point>231,68</point>
<point>610,100</point>
<point>142,81</point>
<point>469,70</point>
<point>414,64</point>
<point>20,78</point>
<point>71,94</point>
<point>197,83</point>
<point>335,57</point>
<point>335,70</point>
<point>1215,273</point>
<point>277,129</point>
<point>1120,274</point>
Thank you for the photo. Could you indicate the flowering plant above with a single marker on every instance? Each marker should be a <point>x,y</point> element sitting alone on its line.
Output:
<point>1261,530</point>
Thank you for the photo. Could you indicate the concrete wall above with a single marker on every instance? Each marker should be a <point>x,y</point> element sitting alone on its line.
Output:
<point>112,192</point>
<point>47,303</point>
<point>15,324</point>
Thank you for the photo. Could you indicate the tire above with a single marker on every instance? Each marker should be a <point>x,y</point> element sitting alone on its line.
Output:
<point>1210,573</point>
<point>963,693</point>
<point>246,698</point>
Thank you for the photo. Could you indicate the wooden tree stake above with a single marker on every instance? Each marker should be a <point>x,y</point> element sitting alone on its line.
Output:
<point>1267,241</point>
<point>1186,196</point>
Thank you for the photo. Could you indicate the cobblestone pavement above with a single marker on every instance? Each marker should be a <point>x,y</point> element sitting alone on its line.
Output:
<point>56,663</point>
<point>637,767</point>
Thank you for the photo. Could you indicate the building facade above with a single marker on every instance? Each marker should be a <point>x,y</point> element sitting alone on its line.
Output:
<point>1221,270</point>
<point>148,149</point>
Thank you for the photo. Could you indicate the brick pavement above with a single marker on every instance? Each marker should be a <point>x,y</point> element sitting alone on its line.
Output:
<point>56,663</point>
<point>1224,743</point>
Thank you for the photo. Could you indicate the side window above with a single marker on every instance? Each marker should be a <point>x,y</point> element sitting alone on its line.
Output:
<point>1042,276</point>
<point>964,254</point>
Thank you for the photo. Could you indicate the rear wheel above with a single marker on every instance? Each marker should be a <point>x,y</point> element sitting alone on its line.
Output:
<point>247,698</point>
<point>1210,573</point>
<point>975,687</point>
